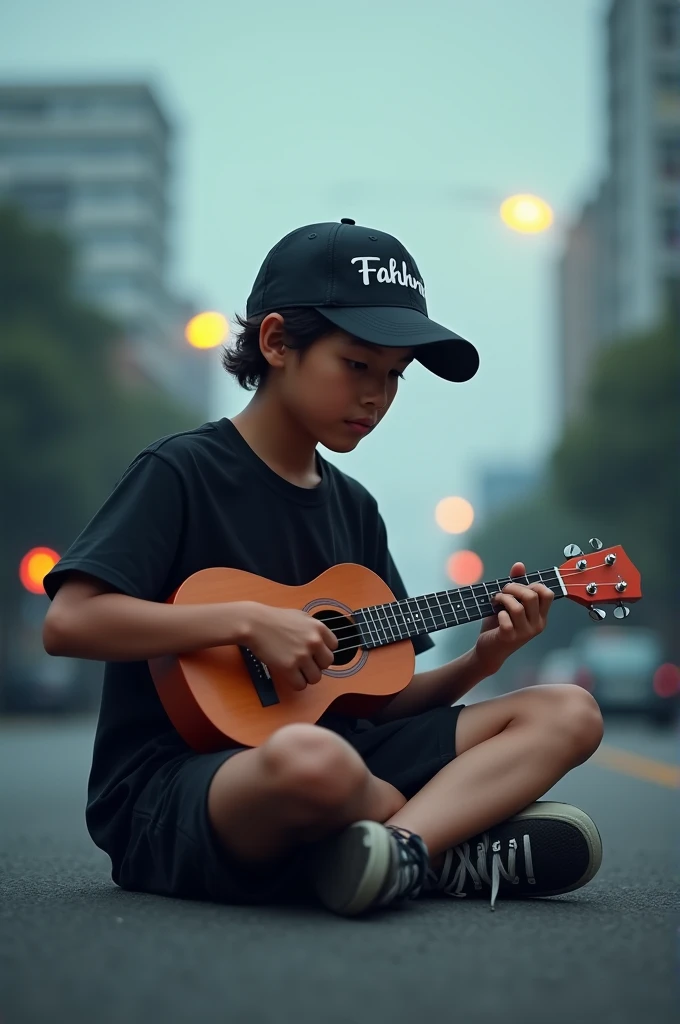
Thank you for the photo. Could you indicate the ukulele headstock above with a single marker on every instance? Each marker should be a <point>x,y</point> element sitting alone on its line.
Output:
<point>604,575</point>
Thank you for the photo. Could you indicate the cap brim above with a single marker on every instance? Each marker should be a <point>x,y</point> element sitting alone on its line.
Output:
<point>439,350</point>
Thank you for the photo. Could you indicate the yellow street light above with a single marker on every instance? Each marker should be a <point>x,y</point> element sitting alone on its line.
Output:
<point>207,330</point>
<point>454,515</point>
<point>527,214</point>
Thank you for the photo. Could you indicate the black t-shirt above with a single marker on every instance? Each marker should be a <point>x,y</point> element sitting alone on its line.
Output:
<point>191,501</point>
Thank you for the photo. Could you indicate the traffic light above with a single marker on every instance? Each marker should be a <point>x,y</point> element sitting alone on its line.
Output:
<point>34,566</point>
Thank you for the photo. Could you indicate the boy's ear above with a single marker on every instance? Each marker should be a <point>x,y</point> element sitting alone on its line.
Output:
<point>272,339</point>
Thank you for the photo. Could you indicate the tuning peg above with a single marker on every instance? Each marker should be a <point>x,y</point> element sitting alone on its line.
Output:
<point>597,613</point>
<point>572,550</point>
<point>595,543</point>
<point>622,611</point>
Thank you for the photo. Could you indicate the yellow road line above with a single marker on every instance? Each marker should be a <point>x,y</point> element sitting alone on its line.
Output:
<point>641,767</point>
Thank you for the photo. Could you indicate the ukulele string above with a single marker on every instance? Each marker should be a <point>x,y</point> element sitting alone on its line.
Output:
<point>339,618</point>
<point>352,627</point>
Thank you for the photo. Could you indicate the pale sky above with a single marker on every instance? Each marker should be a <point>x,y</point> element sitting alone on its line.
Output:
<point>292,113</point>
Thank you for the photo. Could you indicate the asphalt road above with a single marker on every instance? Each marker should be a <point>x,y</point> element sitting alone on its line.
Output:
<point>76,949</point>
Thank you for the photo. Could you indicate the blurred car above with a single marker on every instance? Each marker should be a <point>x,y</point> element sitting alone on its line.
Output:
<point>33,681</point>
<point>51,685</point>
<point>620,666</point>
<point>562,666</point>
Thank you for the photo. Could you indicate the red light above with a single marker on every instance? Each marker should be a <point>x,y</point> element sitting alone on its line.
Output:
<point>666,681</point>
<point>584,678</point>
<point>34,566</point>
<point>464,568</point>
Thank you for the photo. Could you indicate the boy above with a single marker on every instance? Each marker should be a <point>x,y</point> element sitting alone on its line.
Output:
<point>423,799</point>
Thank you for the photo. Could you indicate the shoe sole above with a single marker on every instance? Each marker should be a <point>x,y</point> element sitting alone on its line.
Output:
<point>350,869</point>
<point>580,820</point>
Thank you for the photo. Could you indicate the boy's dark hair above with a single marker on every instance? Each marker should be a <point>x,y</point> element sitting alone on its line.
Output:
<point>243,358</point>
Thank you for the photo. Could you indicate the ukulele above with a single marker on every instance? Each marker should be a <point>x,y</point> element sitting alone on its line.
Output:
<point>224,696</point>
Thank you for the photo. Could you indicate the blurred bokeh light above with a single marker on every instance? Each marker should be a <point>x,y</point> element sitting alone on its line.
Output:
<point>34,566</point>
<point>207,330</point>
<point>454,515</point>
<point>527,214</point>
<point>666,680</point>
<point>465,568</point>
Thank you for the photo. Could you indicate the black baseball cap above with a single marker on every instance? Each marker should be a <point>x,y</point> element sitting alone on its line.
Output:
<point>366,283</point>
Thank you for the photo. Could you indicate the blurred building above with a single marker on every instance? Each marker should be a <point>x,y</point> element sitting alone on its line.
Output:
<point>92,160</point>
<point>499,486</point>
<point>620,270</point>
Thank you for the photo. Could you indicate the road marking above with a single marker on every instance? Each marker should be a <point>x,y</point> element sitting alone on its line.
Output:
<point>624,761</point>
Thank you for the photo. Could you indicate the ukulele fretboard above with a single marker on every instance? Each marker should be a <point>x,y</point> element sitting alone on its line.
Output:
<point>381,624</point>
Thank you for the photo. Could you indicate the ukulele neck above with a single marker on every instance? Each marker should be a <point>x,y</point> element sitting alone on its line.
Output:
<point>382,624</point>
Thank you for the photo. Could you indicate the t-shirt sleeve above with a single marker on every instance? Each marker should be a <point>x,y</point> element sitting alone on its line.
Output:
<point>132,541</point>
<point>387,570</point>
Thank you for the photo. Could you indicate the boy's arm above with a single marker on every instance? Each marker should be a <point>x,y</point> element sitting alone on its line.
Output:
<point>522,616</point>
<point>87,619</point>
<point>436,688</point>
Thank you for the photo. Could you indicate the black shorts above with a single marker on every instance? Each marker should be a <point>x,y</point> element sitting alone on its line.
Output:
<point>174,851</point>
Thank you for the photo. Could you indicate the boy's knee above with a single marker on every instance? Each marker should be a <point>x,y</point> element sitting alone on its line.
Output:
<point>313,764</point>
<point>576,719</point>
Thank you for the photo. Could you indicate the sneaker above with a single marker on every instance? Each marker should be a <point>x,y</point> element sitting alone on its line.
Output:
<point>369,865</point>
<point>547,849</point>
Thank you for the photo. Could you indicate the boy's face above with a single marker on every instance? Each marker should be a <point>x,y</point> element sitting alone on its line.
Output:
<point>338,382</point>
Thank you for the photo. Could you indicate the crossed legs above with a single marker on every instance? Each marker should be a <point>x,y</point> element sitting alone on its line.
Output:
<point>306,782</point>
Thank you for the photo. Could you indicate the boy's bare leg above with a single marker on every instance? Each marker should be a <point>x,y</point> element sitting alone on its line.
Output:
<point>302,784</point>
<point>510,751</point>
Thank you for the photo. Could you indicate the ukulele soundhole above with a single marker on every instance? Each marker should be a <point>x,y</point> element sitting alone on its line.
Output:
<point>349,638</point>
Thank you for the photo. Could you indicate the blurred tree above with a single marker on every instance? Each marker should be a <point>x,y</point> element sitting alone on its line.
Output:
<point>619,463</point>
<point>69,426</point>
<point>613,475</point>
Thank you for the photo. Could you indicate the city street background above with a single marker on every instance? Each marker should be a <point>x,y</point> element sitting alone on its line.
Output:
<point>149,159</point>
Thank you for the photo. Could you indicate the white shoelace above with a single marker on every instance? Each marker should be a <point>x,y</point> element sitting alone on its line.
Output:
<point>454,886</point>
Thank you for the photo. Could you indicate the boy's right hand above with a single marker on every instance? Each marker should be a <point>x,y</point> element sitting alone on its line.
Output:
<point>294,646</point>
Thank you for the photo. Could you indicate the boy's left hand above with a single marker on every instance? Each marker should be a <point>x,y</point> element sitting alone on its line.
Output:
<point>522,616</point>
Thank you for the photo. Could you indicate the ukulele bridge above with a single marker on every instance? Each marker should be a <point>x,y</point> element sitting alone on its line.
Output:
<point>261,678</point>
